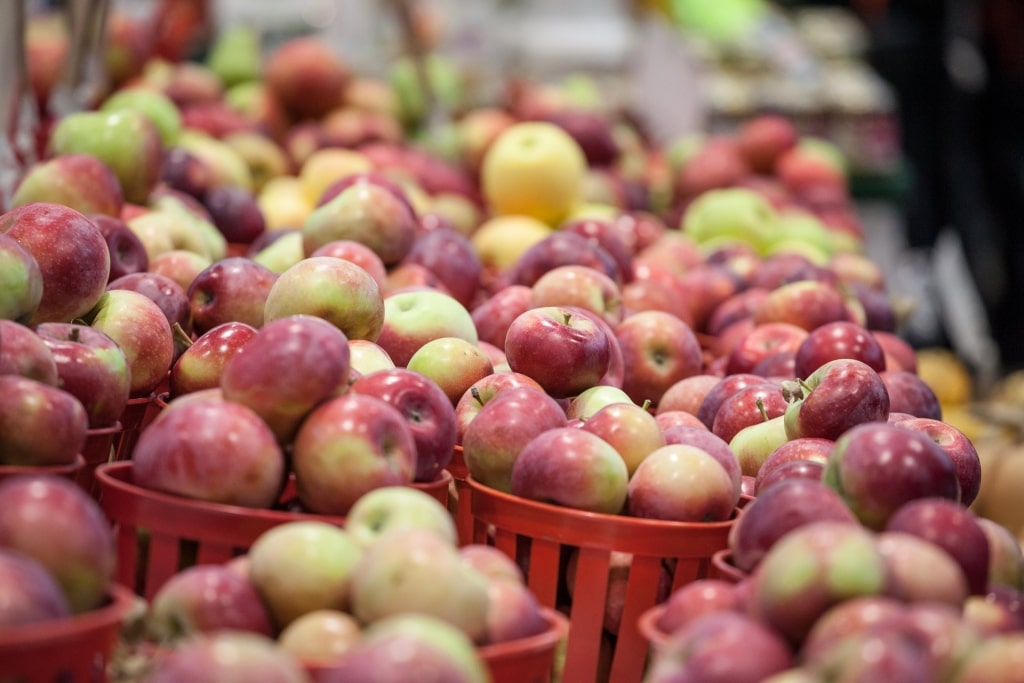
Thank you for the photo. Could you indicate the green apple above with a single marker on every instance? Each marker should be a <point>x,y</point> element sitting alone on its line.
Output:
<point>126,141</point>
<point>736,213</point>
<point>21,281</point>
<point>536,169</point>
<point>754,443</point>
<point>281,254</point>
<point>589,401</point>
<point>302,566</point>
<point>397,507</point>
<point>454,364</point>
<point>414,317</point>
<point>235,56</point>
<point>366,356</point>
<point>152,103</point>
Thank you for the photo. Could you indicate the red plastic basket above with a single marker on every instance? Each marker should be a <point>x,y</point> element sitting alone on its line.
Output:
<point>137,415</point>
<point>526,660</point>
<point>67,471</point>
<point>463,509</point>
<point>98,449</point>
<point>160,534</point>
<point>723,569</point>
<point>648,626</point>
<point>72,650</point>
<point>538,536</point>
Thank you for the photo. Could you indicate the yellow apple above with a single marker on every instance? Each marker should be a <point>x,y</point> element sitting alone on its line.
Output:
<point>282,253</point>
<point>324,167</point>
<point>283,203</point>
<point>501,240</point>
<point>536,169</point>
<point>464,215</point>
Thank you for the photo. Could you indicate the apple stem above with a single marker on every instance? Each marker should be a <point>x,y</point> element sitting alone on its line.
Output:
<point>75,334</point>
<point>475,393</point>
<point>760,407</point>
<point>646,404</point>
<point>181,337</point>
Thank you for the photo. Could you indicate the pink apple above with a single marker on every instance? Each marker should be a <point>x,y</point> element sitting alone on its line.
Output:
<point>482,391</point>
<point>763,339</point>
<point>233,289</point>
<point>30,594</point>
<point>502,427</point>
<point>200,366</point>
<point>350,445</point>
<point>495,314</point>
<point>24,353</point>
<point>564,351</point>
<point>696,599</point>
<point>55,522</point>
<point>212,450</point>
<point>286,369</point>
<point>687,394</point>
<point>90,366</point>
<point>71,254</point>
<point>226,656</point>
<point>572,468</point>
<point>39,424</point>
<point>430,414</point>
<point>681,483</point>
<point>877,468</point>
<point>630,428</point>
<point>579,286</point>
<point>921,571</point>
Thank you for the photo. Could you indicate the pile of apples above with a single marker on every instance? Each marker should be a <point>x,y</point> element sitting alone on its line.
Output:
<point>598,323</point>
<point>338,602</point>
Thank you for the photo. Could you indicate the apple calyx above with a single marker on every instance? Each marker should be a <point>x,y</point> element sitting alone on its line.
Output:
<point>793,390</point>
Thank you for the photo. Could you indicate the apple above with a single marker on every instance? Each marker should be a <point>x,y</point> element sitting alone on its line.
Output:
<point>397,507</point>
<point>909,393</point>
<point>449,255</point>
<point>580,286</point>
<point>721,390</point>
<point>921,571</point>
<point>28,592</point>
<point>71,256</point>
<point>812,568</point>
<point>306,76</point>
<point>91,367</point>
<point>840,339</point>
<point>227,657</point>
<point>412,318</point>
<point>39,424</point>
<point>359,254</point>
<point>960,450</point>
<point>368,213</point>
<point>658,350</point>
<point>851,617</point>
<point>407,570</point>
<point>749,406</point>
<point>806,449</point>
<point>482,391</point>
<point>155,105</point>
<point>763,339</point>
<point>212,450</point>
<point>630,429</point>
<point>201,365</point>
<point>501,241</point>
<point>235,212</point>
<point>533,168</point>
<point>453,364</point>
<point>562,249</point>
<point>365,357</point>
<point>729,214</point>
<point>493,440</point>
<point>330,288</point>
<point>126,141</point>
<point>564,351</point>
<point>715,165</point>
<point>573,468</point>
<point>878,467</point>
<point>695,599</point>
<point>839,395</point>
<point>24,353</point>
<point>55,522</point>
<point>78,181</point>
<point>708,442</point>
<point>995,612</point>
<point>741,305</point>
<point>286,369</point>
<point>180,265</point>
<point>778,510</point>
<point>687,394</point>
<point>1006,561</point>
<point>513,612</point>
<point>761,140</point>
<point>608,236</point>
<point>953,528</point>
<point>430,414</point>
<point>138,325</point>
<point>681,483</point>
<point>412,276</point>
<point>323,635</point>
<point>301,566</point>
<point>21,280</point>
<point>897,348</point>
<point>754,443</point>
<point>164,292</point>
<point>348,446</point>
<point>672,418</point>
<point>808,304</point>
<point>206,598</point>
<point>401,647</point>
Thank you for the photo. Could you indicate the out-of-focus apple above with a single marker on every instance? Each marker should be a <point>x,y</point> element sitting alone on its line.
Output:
<point>30,593</point>
<point>225,656</point>
<point>307,76</point>
<point>323,635</point>
<point>24,353</point>
<point>960,450</point>
<point>840,339</point>
<point>79,181</point>
<point>909,393</point>
<point>397,507</point>
<point>39,424</point>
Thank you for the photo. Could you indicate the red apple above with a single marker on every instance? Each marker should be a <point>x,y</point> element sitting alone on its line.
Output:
<point>764,138</point>
<point>897,348</point>
<point>71,254</point>
<point>806,449</point>
<point>839,395</point>
<point>24,353</point>
<point>233,289</point>
<point>749,406</point>
<point>681,483</point>
<point>658,350</point>
<point>960,450</point>
<point>630,428</point>
<point>762,340</point>
<point>307,76</point>
<point>581,287</point>
<point>450,256</point>
<point>30,593</point>
<point>723,389</point>
<point>687,394</point>
<point>495,314</point>
<point>805,303</point>
<point>482,391</point>
<point>22,280</point>
<point>201,365</point>
<point>840,339</point>
<point>910,394</point>
<point>39,424</point>
<point>228,655</point>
